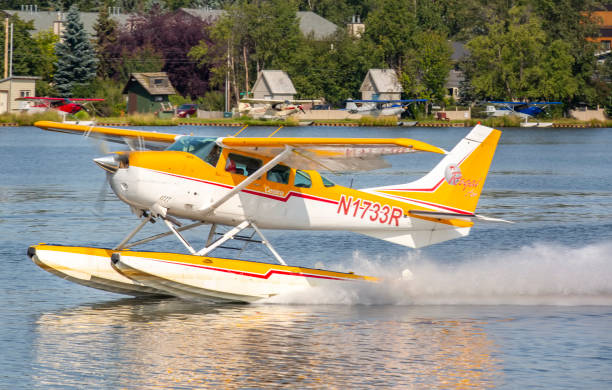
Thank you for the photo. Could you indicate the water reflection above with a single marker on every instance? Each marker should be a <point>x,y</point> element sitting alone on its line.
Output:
<point>136,343</point>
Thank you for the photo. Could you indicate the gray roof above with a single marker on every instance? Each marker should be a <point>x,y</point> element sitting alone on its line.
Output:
<point>459,51</point>
<point>455,77</point>
<point>145,80</point>
<point>311,23</point>
<point>43,20</point>
<point>276,81</point>
<point>383,81</point>
<point>21,78</point>
<point>206,14</point>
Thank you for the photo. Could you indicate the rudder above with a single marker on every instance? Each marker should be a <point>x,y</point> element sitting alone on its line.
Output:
<point>455,184</point>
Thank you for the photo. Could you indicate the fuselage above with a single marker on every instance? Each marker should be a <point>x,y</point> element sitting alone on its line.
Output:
<point>283,198</point>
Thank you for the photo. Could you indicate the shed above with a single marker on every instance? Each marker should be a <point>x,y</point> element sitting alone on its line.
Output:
<point>15,87</point>
<point>148,92</point>
<point>381,84</point>
<point>273,84</point>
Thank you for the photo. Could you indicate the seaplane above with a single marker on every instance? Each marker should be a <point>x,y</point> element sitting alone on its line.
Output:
<point>246,185</point>
<point>273,109</point>
<point>63,105</point>
<point>380,107</point>
<point>524,110</point>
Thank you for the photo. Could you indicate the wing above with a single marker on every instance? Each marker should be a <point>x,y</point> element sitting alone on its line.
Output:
<point>86,100</point>
<point>331,154</point>
<point>146,139</point>
<point>276,101</point>
<point>39,98</point>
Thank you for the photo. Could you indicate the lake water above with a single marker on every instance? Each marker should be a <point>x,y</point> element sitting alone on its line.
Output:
<point>527,305</point>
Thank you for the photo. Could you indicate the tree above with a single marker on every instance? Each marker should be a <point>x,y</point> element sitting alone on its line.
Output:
<point>159,41</point>
<point>105,35</point>
<point>391,26</point>
<point>27,56</point>
<point>517,60</point>
<point>76,62</point>
<point>426,66</point>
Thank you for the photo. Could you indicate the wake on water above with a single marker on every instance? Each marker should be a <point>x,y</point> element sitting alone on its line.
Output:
<point>532,275</point>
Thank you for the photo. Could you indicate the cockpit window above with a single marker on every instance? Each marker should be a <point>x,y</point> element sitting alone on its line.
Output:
<point>302,179</point>
<point>279,174</point>
<point>327,182</point>
<point>242,165</point>
<point>204,148</point>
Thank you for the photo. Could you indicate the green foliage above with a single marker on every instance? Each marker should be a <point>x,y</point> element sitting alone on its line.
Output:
<point>368,120</point>
<point>105,35</point>
<point>517,61</point>
<point>29,119</point>
<point>46,41</point>
<point>28,59</point>
<point>76,63</point>
<point>391,26</point>
<point>426,66</point>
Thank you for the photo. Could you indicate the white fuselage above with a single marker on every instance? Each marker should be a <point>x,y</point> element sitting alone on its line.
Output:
<point>186,197</point>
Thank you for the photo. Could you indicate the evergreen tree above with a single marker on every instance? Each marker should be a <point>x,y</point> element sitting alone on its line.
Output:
<point>105,36</point>
<point>76,62</point>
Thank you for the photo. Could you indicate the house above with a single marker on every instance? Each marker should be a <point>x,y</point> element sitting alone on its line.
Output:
<point>273,84</point>
<point>455,75</point>
<point>148,92</point>
<point>15,87</point>
<point>381,84</point>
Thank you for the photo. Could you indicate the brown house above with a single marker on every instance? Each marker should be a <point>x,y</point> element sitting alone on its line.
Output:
<point>605,28</point>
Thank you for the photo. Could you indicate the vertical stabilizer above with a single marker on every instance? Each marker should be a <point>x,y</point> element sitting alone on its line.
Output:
<point>455,184</point>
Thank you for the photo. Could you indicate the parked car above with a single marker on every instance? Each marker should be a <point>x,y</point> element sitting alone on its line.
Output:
<point>187,110</point>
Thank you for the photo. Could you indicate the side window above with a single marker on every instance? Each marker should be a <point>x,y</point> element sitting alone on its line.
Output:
<point>279,174</point>
<point>302,179</point>
<point>327,183</point>
<point>242,165</point>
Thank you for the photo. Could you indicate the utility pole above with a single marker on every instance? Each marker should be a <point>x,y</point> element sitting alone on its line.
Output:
<point>11,59</point>
<point>6,31</point>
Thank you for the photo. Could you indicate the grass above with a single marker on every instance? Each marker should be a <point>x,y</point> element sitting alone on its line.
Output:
<point>29,119</point>
<point>368,120</point>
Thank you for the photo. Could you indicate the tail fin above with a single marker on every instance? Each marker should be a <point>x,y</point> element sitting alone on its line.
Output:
<point>455,184</point>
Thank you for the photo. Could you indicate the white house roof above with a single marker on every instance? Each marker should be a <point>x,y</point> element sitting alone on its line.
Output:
<point>276,81</point>
<point>382,81</point>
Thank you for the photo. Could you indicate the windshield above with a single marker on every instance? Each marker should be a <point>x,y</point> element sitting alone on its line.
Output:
<point>203,147</point>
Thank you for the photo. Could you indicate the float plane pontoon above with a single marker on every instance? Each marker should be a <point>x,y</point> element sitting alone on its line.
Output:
<point>252,184</point>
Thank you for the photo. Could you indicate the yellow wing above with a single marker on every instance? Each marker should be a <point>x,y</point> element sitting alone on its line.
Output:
<point>145,139</point>
<point>332,154</point>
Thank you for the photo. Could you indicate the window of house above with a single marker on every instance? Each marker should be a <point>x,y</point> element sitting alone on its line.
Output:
<point>605,45</point>
<point>159,98</point>
<point>302,179</point>
<point>24,93</point>
<point>279,174</point>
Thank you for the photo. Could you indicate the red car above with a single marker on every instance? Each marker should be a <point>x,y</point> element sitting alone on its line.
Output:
<point>187,110</point>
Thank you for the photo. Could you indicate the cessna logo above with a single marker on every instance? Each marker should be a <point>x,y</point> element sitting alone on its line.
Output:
<point>452,174</point>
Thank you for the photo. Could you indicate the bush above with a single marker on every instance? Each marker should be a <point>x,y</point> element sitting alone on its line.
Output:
<point>368,120</point>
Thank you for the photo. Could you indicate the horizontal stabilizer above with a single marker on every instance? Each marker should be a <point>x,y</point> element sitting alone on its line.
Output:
<point>418,238</point>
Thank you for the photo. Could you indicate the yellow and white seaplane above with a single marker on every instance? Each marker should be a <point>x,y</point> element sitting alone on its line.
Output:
<point>257,184</point>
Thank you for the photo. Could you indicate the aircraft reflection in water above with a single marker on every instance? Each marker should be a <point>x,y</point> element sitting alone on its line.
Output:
<point>170,343</point>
